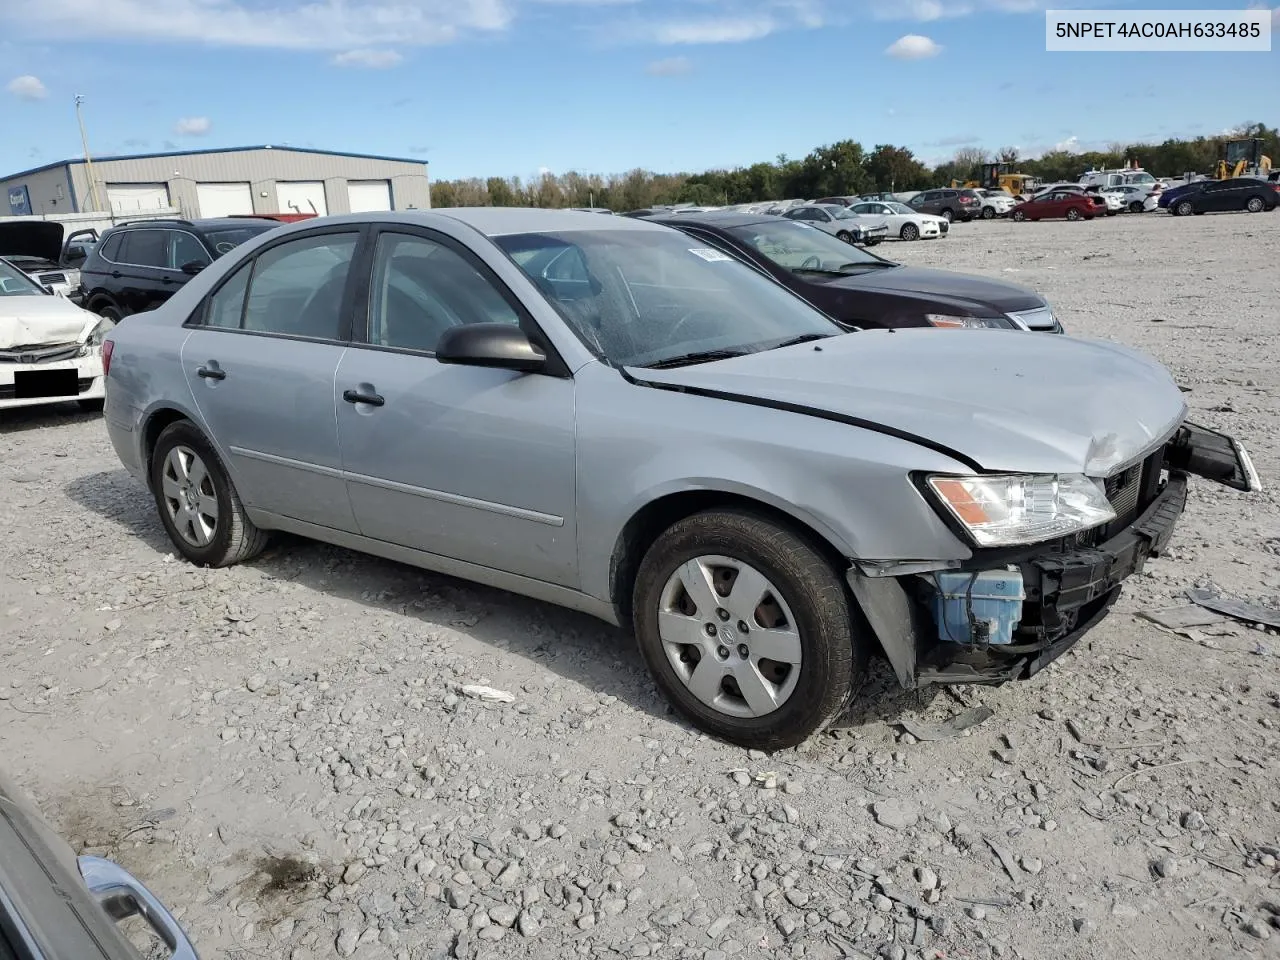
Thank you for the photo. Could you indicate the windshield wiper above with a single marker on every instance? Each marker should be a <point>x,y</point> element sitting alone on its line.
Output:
<point>699,356</point>
<point>845,267</point>
<point>803,338</point>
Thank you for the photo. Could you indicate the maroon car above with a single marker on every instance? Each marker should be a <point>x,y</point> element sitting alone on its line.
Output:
<point>1058,204</point>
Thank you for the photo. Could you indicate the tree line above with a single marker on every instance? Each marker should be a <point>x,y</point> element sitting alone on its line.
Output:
<point>838,169</point>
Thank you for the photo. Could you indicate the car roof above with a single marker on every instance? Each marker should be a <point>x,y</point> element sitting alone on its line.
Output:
<point>498,221</point>
<point>208,223</point>
<point>721,221</point>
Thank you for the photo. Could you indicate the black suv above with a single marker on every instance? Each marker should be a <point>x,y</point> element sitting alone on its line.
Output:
<point>949,204</point>
<point>139,265</point>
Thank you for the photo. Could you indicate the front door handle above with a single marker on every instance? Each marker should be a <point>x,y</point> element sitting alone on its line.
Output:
<point>355,396</point>
<point>212,373</point>
<point>117,274</point>
<point>168,280</point>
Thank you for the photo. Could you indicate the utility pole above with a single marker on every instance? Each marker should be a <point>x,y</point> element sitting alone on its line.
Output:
<point>88,161</point>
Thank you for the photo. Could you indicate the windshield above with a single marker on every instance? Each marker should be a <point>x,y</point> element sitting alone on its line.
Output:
<point>15,283</point>
<point>844,213</point>
<point>899,208</point>
<point>645,297</point>
<point>800,247</point>
<point>1140,178</point>
<point>226,239</point>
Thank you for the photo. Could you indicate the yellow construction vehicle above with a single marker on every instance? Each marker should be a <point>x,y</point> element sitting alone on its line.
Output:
<point>1242,158</point>
<point>996,176</point>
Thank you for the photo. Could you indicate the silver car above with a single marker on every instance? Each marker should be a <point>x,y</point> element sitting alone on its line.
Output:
<point>605,414</point>
<point>841,222</point>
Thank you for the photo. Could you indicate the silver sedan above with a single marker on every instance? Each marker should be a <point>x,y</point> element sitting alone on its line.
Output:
<point>841,222</point>
<point>614,416</point>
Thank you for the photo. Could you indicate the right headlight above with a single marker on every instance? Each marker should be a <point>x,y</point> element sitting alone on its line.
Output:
<point>953,322</point>
<point>1009,510</point>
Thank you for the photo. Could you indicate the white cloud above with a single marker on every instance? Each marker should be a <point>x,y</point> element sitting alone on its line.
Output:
<point>280,24</point>
<point>367,57</point>
<point>927,10</point>
<point>192,126</point>
<point>670,67</point>
<point>913,47</point>
<point>27,87</point>
<point>714,30</point>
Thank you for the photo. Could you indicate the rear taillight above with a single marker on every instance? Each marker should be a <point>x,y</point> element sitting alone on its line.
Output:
<point>107,347</point>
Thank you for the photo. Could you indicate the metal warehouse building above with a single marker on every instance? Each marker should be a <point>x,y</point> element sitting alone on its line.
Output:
<point>219,183</point>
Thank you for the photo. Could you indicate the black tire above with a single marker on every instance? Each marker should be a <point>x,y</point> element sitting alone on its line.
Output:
<point>1135,207</point>
<point>834,645</point>
<point>235,538</point>
<point>874,241</point>
<point>988,213</point>
<point>948,215</point>
<point>91,406</point>
<point>909,232</point>
<point>1018,216</point>
<point>109,311</point>
<point>845,236</point>
<point>1074,214</point>
<point>1255,205</point>
<point>1184,208</point>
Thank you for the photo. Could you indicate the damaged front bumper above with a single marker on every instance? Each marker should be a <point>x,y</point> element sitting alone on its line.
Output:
<point>39,375</point>
<point>1069,585</point>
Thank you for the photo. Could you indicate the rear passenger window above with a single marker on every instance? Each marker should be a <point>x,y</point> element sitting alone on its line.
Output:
<point>145,248</point>
<point>297,287</point>
<point>227,305</point>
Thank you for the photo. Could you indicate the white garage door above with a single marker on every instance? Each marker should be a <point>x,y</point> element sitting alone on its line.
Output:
<point>368,196</point>
<point>137,197</point>
<point>301,196</point>
<point>223,199</point>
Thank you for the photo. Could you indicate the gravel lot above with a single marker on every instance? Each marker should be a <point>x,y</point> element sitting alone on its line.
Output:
<point>282,750</point>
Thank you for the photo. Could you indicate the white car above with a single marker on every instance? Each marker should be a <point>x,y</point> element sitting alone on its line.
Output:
<point>50,349</point>
<point>903,222</point>
<point>996,203</point>
<point>1135,198</point>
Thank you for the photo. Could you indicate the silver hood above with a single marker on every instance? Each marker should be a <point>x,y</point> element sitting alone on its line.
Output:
<point>1007,400</point>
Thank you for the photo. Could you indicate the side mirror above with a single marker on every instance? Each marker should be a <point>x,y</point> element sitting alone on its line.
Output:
<point>75,255</point>
<point>501,345</point>
<point>192,267</point>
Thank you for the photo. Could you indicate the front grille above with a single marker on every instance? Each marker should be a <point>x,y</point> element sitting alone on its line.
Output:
<point>1123,489</point>
<point>43,354</point>
<point>9,392</point>
<point>52,277</point>
<point>944,226</point>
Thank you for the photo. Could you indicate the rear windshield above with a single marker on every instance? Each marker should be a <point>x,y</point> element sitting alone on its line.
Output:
<point>225,239</point>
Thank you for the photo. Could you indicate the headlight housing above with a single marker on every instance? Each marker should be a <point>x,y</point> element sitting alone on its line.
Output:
<point>1008,510</point>
<point>94,341</point>
<point>952,322</point>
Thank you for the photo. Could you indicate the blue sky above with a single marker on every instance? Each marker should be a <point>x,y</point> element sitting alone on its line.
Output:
<point>510,87</point>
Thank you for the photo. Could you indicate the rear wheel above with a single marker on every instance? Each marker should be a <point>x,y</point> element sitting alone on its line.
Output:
<point>109,311</point>
<point>988,213</point>
<point>947,215</point>
<point>1184,209</point>
<point>1255,205</point>
<point>197,501</point>
<point>1019,216</point>
<point>747,629</point>
<point>1135,207</point>
<point>909,231</point>
<point>1075,214</point>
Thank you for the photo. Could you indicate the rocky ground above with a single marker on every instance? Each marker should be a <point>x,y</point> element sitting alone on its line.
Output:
<point>288,753</point>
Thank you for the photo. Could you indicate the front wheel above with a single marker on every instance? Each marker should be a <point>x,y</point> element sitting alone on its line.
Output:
<point>988,213</point>
<point>1019,216</point>
<point>1184,209</point>
<point>1135,207</point>
<point>909,231</point>
<point>109,312</point>
<point>747,629</point>
<point>845,235</point>
<point>197,501</point>
<point>1254,205</point>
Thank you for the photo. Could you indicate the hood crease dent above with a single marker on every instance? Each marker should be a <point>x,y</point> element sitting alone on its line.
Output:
<point>1009,401</point>
<point>40,321</point>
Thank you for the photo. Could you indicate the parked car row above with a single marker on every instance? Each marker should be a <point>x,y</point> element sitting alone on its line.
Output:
<point>706,449</point>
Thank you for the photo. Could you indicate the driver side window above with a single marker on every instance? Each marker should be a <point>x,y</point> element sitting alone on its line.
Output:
<point>297,287</point>
<point>422,288</point>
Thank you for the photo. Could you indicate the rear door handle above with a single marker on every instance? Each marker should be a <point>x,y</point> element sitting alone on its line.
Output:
<point>117,274</point>
<point>355,396</point>
<point>168,280</point>
<point>212,373</point>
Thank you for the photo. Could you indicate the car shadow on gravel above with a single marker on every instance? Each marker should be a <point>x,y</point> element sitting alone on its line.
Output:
<point>573,645</point>
<point>22,419</point>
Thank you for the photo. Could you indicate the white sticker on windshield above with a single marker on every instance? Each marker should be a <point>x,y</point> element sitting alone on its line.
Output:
<point>710,255</point>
